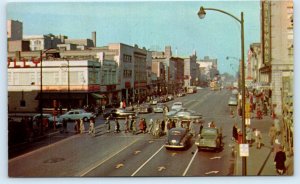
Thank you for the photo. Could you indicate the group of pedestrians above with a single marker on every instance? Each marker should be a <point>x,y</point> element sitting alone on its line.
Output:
<point>253,135</point>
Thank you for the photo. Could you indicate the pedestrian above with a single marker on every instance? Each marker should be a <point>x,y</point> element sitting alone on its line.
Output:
<point>212,124</point>
<point>150,126</point>
<point>144,125</point>
<point>192,128</point>
<point>277,125</point>
<point>162,125</point>
<point>82,129</point>
<point>76,126</point>
<point>131,123</point>
<point>65,124</point>
<point>201,127</point>
<point>134,127</point>
<point>272,134</point>
<point>235,132</point>
<point>107,123</point>
<point>117,126</point>
<point>258,137</point>
<point>258,112</point>
<point>279,161</point>
<point>126,125</point>
<point>276,146</point>
<point>92,130</point>
<point>141,125</point>
<point>249,135</point>
<point>60,109</point>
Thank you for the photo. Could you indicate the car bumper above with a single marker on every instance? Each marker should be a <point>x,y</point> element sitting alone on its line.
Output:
<point>173,146</point>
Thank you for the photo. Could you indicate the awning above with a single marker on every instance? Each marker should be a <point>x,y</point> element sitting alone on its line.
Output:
<point>61,96</point>
<point>98,96</point>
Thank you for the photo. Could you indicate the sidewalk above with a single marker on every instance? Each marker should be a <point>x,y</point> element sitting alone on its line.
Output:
<point>261,161</point>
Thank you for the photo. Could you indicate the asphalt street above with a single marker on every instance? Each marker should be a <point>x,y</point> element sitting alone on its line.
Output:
<point>124,154</point>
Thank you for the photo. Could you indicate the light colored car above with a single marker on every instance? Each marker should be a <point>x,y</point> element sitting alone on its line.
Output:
<point>51,119</point>
<point>177,106</point>
<point>185,114</point>
<point>159,108</point>
<point>153,102</point>
<point>232,101</point>
<point>170,97</point>
<point>77,114</point>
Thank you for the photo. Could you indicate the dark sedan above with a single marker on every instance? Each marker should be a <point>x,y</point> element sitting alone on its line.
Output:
<point>119,113</point>
<point>178,138</point>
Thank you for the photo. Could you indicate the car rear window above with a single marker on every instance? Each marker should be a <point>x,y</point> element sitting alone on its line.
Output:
<point>176,132</point>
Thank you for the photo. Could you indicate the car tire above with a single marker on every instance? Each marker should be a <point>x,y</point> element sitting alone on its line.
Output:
<point>85,119</point>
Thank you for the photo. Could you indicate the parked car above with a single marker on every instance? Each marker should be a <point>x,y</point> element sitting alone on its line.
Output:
<point>77,114</point>
<point>153,102</point>
<point>181,94</point>
<point>119,113</point>
<point>233,101</point>
<point>159,108</point>
<point>50,118</point>
<point>178,138</point>
<point>210,138</point>
<point>144,108</point>
<point>177,105</point>
<point>170,97</point>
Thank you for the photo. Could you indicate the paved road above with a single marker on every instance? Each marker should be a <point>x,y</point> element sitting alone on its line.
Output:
<point>124,154</point>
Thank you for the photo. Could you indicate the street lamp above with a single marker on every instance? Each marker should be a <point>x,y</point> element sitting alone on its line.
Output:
<point>201,15</point>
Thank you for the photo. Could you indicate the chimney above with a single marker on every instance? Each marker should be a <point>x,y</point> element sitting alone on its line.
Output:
<point>94,38</point>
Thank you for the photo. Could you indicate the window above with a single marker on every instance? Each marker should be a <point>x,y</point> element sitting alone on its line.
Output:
<point>22,103</point>
<point>127,58</point>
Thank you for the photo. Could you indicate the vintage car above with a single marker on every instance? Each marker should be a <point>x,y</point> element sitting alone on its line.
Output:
<point>232,101</point>
<point>144,108</point>
<point>154,101</point>
<point>159,108</point>
<point>177,105</point>
<point>210,139</point>
<point>75,114</point>
<point>178,138</point>
<point>185,114</point>
<point>119,113</point>
<point>57,120</point>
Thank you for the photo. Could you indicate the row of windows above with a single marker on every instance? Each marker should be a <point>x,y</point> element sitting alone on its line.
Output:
<point>127,73</point>
<point>127,58</point>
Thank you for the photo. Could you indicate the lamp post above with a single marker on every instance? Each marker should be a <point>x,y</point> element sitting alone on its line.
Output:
<point>201,15</point>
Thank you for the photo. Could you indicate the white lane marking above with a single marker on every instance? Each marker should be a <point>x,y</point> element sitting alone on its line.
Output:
<point>92,167</point>
<point>212,172</point>
<point>147,161</point>
<point>188,167</point>
<point>215,158</point>
<point>136,152</point>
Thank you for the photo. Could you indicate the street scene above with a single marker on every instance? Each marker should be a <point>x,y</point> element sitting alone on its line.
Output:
<point>205,92</point>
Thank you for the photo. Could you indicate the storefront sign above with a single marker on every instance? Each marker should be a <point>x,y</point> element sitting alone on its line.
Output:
<point>24,63</point>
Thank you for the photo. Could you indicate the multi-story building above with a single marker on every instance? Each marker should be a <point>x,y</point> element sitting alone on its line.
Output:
<point>278,52</point>
<point>209,69</point>
<point>158,68</point>
<point>43,42</point>
<point>190,70</point>
<point>70,83</point>
<point>254,63</point>
<point>14,30</point>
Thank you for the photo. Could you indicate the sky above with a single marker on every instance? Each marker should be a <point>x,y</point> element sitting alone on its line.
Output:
<point>148,24</point>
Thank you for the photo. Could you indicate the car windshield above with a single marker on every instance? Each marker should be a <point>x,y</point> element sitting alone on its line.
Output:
<point>176,132</point>
<point>209,132</point>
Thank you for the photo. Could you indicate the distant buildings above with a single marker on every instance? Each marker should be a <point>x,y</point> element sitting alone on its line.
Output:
<point>74,72</point>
